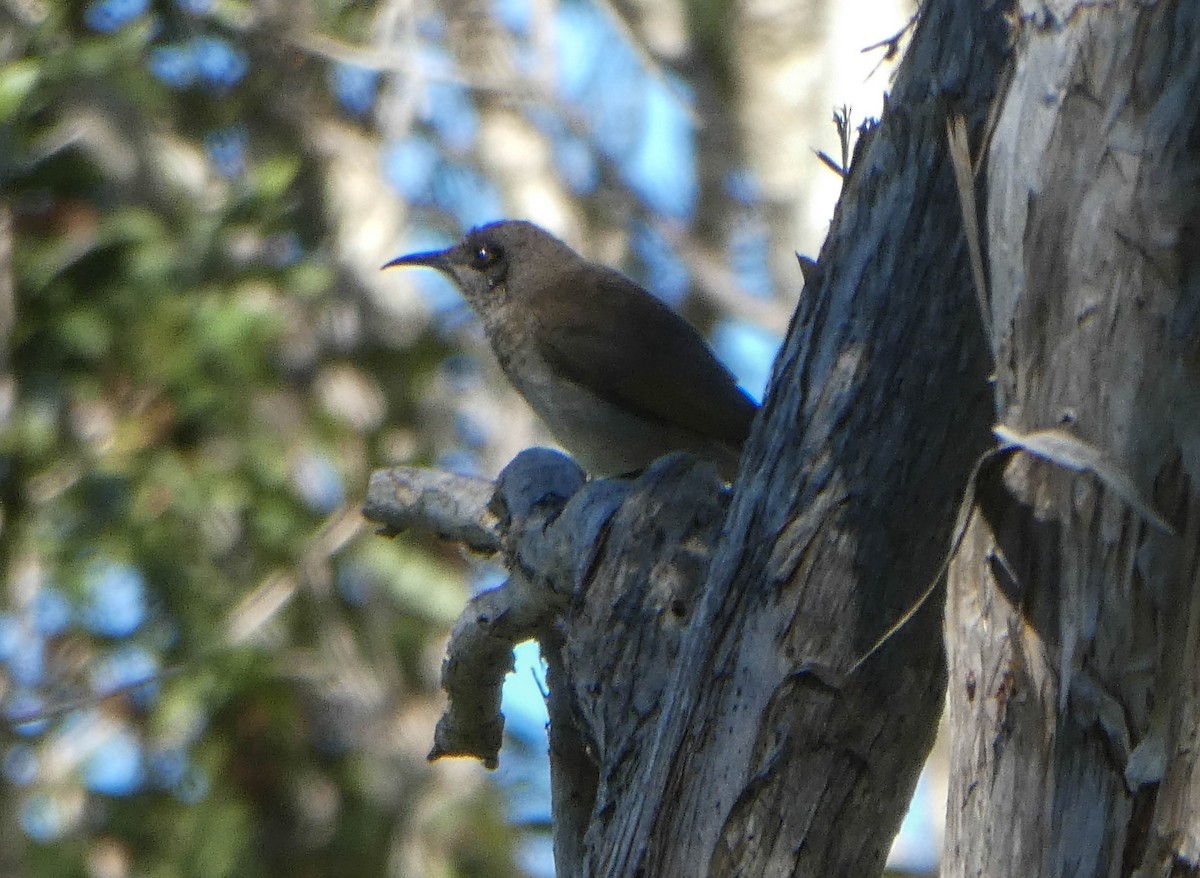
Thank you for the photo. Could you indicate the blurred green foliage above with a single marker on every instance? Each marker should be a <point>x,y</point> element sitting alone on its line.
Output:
<point>183,446</point>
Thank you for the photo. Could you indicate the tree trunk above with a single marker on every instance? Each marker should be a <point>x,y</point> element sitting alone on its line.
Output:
<point>1074,603</point>
<point>774,752</point>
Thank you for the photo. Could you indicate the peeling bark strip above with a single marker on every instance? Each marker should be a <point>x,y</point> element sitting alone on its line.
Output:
<point>1074,607</point>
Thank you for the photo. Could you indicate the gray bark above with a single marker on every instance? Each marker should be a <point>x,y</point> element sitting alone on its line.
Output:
<point>1074,604</point>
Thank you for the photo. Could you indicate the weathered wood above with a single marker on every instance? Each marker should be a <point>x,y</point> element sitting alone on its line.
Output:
<point>1073,617</point>
<point>450,505</point>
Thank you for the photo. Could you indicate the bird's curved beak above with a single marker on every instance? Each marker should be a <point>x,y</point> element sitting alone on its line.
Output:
<point>432,259</point>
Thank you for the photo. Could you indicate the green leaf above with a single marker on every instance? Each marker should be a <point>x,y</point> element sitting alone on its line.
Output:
<point>419,583</point>
<point>16,82</point>
<point>309,279</point>
<point>86,331</point>
<point>274,175</point>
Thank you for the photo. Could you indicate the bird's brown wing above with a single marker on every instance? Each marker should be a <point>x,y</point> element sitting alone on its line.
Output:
<point>661,369</point>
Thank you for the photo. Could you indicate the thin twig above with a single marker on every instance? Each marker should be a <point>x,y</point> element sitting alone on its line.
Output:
<point>964,178</point>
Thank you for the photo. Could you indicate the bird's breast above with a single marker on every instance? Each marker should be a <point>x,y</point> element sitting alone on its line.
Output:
<point>605,438</point>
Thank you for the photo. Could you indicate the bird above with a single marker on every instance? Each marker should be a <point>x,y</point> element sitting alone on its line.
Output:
<point>618,377</point>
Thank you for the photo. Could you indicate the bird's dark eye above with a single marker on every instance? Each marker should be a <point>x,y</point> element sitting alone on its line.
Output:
<point>485,256</point>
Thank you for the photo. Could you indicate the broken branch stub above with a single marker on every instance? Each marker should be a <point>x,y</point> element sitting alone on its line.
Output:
<point>568,587</point>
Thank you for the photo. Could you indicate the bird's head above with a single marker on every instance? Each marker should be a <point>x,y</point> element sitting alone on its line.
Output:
<point>496,261</point>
